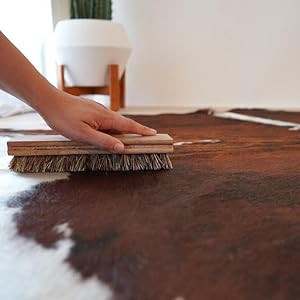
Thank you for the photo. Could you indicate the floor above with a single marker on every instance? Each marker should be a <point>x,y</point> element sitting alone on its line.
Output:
<point>223,224</point>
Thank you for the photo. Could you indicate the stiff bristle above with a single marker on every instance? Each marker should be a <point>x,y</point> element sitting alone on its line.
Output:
<point>95,162</point>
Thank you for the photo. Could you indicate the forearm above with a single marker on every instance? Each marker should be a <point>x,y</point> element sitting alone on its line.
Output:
<point>19,78</point>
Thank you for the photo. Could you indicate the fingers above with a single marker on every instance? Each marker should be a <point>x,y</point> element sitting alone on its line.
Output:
<point>102,140</point>
<point>114,122</point>
<point>123,124</point>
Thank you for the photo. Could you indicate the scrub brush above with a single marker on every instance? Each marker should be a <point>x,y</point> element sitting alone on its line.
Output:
<point>55,153</point>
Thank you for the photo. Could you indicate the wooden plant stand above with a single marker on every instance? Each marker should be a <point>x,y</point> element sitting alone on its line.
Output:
<point>115,88</point>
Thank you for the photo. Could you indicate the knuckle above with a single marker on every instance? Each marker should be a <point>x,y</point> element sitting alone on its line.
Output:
<point>130,124</point>
<point>108,123</point>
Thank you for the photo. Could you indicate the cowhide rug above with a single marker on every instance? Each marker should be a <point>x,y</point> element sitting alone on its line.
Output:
<point>223,224</point>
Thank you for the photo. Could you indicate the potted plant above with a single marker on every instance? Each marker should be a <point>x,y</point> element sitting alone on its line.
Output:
<point>91,9</point>
<point>88,42</point>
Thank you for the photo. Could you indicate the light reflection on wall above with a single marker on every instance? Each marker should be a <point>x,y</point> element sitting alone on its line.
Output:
<point>28,24</point>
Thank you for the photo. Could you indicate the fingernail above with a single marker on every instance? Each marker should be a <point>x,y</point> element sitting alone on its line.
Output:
<point>119,148</point>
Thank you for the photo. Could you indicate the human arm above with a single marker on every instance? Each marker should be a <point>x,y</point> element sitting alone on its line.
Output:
<point>74,117</point>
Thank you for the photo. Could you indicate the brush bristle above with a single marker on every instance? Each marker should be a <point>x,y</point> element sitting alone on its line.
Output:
<point>95,162</point>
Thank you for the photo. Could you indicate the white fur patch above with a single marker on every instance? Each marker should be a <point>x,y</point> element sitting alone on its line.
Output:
<point>208,141</point>
<point>259,120</point>
<point>29,271</point>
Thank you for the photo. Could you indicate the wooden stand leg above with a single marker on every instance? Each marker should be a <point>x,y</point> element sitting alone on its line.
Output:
<point>122,90</point>
<point>61,77</point>
<point>114,87</point>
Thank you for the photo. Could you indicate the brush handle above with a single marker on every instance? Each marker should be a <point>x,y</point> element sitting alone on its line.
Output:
<point>58,145</point>
<point>126,139</point>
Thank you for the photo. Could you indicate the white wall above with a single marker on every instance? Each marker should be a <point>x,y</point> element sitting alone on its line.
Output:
<point>27,24</point>
<point>60,10</point>
<point>230,53</point>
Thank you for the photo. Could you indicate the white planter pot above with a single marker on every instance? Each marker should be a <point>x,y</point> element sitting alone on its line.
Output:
<point>87,46</point>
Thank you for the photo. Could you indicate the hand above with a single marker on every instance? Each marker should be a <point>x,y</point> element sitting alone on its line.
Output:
<point>87,121</point>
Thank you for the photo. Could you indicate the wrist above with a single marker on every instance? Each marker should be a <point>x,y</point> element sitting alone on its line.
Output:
<point>46,100</point>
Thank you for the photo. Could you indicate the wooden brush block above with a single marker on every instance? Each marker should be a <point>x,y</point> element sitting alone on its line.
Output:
<point>37,145</point>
